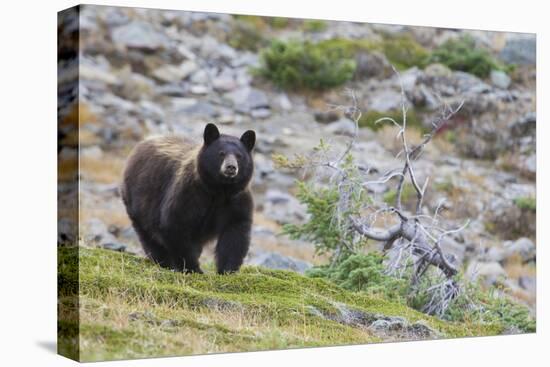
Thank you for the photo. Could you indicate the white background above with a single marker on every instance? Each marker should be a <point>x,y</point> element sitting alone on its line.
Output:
<point>28,182</point>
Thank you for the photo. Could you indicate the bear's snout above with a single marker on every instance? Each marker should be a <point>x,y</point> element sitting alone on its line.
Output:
<point>230,167</point>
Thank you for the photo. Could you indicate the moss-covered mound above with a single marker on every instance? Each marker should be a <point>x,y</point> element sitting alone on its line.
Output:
<point>131,308</point>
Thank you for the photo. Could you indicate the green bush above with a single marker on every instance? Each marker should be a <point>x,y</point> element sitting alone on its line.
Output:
<point>305,65</point>
<point>324,227</point>
<point>404,52</point>
<point>526,203</point>
<point>463,54</point>
<point>314,25</point>
<point>363,273</point>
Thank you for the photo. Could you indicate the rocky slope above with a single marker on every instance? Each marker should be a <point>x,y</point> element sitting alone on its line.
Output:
<point>148,72</point>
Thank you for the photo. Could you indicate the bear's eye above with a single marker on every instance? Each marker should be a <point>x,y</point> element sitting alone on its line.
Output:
<point>239,155</point>
<point>222,153</point>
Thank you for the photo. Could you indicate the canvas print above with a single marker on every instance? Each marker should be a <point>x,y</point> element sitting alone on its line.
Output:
<point>233,183</point>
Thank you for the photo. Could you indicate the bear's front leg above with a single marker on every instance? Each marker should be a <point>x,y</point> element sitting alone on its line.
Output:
<point>232,246</point>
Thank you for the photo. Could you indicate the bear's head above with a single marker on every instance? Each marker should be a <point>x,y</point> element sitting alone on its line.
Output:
<point>225,162</point>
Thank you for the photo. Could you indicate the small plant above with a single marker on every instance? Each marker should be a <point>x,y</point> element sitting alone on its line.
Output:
<point>475,305</point>
<point>305,65</point>
<point>526,203</point>
<point>314,25</point>
<point>363,273</point>
<point>326,227</point>
<point>463,54</point>
<point>404,52</point>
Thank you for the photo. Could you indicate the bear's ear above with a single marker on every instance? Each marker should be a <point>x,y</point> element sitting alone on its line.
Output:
<point>211,134</point>
<point>249,139</point>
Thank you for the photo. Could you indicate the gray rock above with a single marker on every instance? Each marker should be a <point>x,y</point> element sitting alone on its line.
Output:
<point>386,100</point>
<point>400,327</point>
<point>273,260</point>
<point>530,165</point>
<point>500,79</point>
<point>201,76</point>
<point>172,73</point>
<point>284,102</point>
<point>520,50</point>
<point>454,249</point>
<point>201,108</point>
<point>224,83</point>
<point>528,283</point>
<point>326,117</point>
<point>523,247</point>
<point>114,17</point>
<point>489,272</point>
<point>246,99</point>
<point>139,35</point>
<point>260,113</point>
<point>199,89</point>
<point>344,126</point>
<point>97,232</point>
<point>152,110</point>
<point>129,233</point>
<point>494,254</point>
<point>114,246</point>
<point>283,207</point>
<point>526,125</point>
<point>90,72</point>
<point>246,59</point>
<point>67,231</point>
<point>372,64</point>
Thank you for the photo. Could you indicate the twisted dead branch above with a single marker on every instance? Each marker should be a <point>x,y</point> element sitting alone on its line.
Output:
<point>416,237</point>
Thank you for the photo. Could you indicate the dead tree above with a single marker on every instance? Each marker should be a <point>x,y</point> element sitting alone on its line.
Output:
<point>416,237</point>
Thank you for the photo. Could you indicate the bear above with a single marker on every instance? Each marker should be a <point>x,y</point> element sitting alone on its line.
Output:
<point>180,195</point>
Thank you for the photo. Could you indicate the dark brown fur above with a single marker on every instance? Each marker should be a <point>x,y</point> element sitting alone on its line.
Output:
<point>177,201</point>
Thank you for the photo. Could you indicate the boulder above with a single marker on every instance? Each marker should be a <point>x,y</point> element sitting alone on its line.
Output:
<point>273,260</point>
<point>139,35</point>
<point>283,207</point>
<point>500,79</point>
<point>522,247</point>
<point>526,125</point>
<point>385,100</point>
<point>246,99</point>
<point>488,272</point>
<point>344,126</point>
<point>98,233</point>
<point>520,50</point>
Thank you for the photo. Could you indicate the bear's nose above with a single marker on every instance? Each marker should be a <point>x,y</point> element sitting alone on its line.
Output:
<point>230,169</point>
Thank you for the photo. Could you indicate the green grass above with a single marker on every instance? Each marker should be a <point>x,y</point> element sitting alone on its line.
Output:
<point>131,308</point>
<point>369,118</point>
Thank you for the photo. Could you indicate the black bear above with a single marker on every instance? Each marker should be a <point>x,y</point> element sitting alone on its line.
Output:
<point>180,195</point>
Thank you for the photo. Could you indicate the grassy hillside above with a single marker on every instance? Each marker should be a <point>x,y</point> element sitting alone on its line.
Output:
<point>131,308</point>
